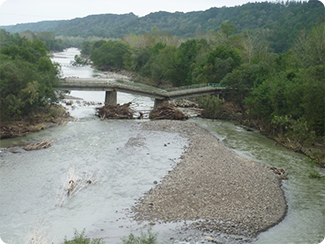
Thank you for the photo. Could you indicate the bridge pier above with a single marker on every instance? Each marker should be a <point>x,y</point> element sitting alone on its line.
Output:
<point>111,97</point>
<point>159,102</point>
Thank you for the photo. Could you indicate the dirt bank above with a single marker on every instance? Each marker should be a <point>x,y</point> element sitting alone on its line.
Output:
<point>50,116</point>
<point>314,149</point>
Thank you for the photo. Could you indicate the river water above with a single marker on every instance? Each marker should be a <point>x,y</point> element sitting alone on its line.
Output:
<point>122,162</point>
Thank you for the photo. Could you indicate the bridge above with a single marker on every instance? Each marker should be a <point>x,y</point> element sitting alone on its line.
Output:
<point>112,86</point>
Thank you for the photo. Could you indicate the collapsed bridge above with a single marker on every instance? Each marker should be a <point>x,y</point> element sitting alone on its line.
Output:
<point>112,86</point>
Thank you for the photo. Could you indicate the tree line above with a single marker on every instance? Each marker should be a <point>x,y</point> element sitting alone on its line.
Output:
<point>282,20</point>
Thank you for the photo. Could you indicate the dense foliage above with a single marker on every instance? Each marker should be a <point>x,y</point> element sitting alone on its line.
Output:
<point>114,54</point>
<point>49,39</point>
<point>281,21</point>
<point>28,79</point>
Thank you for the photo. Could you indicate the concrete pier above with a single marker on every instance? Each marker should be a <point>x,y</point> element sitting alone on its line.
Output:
<point>159,102</point>
<point>111,97</point>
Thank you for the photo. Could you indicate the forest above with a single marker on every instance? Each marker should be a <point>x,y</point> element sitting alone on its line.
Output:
<point>281,20</point>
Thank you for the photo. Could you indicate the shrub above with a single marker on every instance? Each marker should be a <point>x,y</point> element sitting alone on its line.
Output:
<point>79,239</point>
<point>144,238</point>
<point>212,107</point>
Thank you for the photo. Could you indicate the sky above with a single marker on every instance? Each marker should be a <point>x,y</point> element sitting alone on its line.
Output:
<point>27,11</point>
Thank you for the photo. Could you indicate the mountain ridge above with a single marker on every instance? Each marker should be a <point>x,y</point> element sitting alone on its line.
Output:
<point>294,16</point>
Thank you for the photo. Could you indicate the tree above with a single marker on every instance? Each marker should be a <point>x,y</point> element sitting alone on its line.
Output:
<point>227,28</point>
<point>114,54</point>
<point>218,64</point>
<point>28,79</point>
<point>186,58</point>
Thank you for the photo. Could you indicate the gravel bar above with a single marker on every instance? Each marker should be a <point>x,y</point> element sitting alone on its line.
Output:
<point>213,187</point>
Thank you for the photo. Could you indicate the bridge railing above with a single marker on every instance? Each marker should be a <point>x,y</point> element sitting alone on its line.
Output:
<point>140,86</point>
<point>187,87</point>
<point>197,86</point>
<point>217,85</point>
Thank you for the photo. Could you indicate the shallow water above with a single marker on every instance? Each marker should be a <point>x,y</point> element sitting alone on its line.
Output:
<point>123,162</point>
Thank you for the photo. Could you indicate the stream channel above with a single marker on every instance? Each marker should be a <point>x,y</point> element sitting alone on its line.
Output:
<point>123,162</point>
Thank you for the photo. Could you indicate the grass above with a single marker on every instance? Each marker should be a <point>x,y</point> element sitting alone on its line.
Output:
<point>315,175</point>
<point>144,238</point>
<point>39,234</point>
<point>80,239</point>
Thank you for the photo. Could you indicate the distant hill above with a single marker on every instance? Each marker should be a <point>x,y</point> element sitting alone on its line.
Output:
<point>285,19</point>
<point>34,27</point>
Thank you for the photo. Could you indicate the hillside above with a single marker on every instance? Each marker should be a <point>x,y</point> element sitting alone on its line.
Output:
<point>284,19</point>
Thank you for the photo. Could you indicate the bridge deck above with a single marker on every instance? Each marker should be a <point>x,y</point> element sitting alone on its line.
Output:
<point>93,84</point>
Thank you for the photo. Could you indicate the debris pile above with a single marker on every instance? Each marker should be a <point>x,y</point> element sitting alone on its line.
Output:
<point>280,172</point>
<point>167,111</point>
<point>185,105</point>
<point>73,183</point>
<point>110,111</point>
<point>37,146</point>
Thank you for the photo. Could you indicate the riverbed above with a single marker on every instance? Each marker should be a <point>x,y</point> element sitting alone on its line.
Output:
<point>123,162</point>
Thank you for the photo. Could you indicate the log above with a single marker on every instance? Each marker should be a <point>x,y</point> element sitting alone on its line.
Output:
<point>280,171</point>
<point>37,146</point>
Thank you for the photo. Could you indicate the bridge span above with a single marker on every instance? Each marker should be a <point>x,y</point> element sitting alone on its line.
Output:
<point>112,86</point>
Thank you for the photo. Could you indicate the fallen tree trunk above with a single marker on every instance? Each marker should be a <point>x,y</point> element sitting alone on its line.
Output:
<point>37,146</point>
<point>167,111</point>
<point>118,111</point>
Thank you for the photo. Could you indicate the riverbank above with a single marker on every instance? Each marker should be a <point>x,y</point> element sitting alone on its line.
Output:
<point>51,116</point>
<point>312,148</point>
<point>214,187</point>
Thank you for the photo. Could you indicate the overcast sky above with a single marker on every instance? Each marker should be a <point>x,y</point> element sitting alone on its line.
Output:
<point>24,11</point>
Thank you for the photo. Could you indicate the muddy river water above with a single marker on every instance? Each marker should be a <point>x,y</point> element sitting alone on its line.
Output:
<point>123,162</point>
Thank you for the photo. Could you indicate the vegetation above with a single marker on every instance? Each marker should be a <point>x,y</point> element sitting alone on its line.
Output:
<point>54,44</point>
<point>281,22</point>
<point>212,107</point>
<point>28,78</point>
<point>79,239</point>
<point>144,238</point>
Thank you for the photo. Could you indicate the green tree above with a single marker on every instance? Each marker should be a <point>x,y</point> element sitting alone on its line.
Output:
<point>114,54</point>
<point>185,62</point>
<point>218,64</point>
<point>227,28</point>
<point>28,79</point>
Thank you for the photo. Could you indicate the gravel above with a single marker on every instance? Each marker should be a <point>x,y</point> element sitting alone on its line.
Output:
<point>213,187</point>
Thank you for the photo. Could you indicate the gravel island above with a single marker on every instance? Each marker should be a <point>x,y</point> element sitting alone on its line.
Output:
<point>213,187</point>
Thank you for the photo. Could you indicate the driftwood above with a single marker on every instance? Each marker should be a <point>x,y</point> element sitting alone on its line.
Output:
<point>167,111</point>
<point>118,111</point>
<point>37,146</point>
<point>280,172</point>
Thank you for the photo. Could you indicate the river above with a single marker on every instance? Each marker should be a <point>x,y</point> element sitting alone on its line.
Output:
<point>122,163</point>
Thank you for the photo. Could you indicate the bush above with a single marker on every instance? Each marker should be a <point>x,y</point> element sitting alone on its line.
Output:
<point>149,238</point>
<point>79,239</point>
<point>212,107</point>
